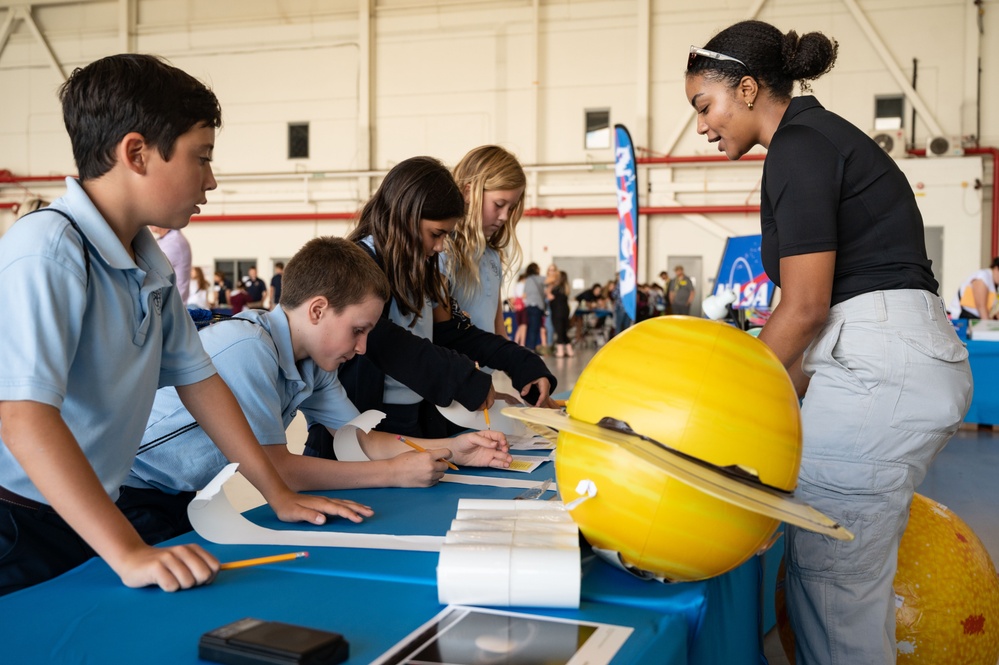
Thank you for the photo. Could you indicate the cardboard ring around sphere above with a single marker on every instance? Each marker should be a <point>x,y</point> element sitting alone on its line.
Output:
<point>705,389</point>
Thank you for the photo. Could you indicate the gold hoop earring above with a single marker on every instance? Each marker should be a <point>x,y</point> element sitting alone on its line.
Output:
<point>749,105</point>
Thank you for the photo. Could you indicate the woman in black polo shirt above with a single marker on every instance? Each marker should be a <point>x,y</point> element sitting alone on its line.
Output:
<point>859,327</point>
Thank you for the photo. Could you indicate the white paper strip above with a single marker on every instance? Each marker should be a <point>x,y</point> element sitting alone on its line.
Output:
<point>498,514</point>
<point>511,555</point>
<point>214,519</point>
<point>499,505</point>
<point>345,444</point>
<point>461,416</point>
<point>492,481</point>
<point>518,434</point>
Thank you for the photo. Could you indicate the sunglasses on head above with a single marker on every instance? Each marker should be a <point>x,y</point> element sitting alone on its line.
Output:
<point>696,52</point>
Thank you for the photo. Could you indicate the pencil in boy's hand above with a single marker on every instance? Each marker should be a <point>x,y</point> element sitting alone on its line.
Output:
<point>486,412</point>
<point>264,559</point>
<point>418,447</point>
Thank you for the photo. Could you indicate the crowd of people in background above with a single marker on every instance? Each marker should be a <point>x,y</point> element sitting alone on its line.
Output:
<point>222,295</point>
<point>248,292</point>
<point>550,325</point>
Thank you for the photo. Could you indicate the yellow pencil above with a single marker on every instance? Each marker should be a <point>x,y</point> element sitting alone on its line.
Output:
<point>486,412</point>
<point>264,559</point>
<point>416,446</point>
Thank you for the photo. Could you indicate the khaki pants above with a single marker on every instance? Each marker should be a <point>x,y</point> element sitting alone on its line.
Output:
<point>890,384</point>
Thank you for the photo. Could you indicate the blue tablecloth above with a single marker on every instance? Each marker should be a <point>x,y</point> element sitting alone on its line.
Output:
<point>373,597</point>
<point>984,359</point>
<point>87,616</point>
<point>723,614</point>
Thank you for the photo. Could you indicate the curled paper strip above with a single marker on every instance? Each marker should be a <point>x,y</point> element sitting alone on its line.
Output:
<point>476,420</point>
<point>345,443</point>
<point>214,518</point>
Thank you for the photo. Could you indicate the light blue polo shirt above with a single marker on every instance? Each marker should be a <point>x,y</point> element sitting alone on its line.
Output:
<point>253,354</point>
<point>396,392</point>
<point>482,303</point>
<point>99,352</point>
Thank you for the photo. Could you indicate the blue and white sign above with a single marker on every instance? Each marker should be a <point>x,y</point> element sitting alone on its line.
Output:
<point>741,271</point>
<point>627,215</point>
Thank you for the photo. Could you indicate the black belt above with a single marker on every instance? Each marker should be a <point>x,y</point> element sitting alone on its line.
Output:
<point>16,499</point>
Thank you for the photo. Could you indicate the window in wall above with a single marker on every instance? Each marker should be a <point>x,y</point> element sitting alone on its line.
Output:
<point>888,111</point>
<point>298,140</point>
<point>235,269</point>
<point>598,129</point>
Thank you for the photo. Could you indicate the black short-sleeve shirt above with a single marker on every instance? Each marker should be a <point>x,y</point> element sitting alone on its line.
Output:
<point>828,187</point>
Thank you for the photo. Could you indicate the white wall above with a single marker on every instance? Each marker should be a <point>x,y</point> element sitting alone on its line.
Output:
<point>448,75</point>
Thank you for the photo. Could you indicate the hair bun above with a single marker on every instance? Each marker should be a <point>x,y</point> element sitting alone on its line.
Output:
<point>789,50</point>
<point>808,56</point>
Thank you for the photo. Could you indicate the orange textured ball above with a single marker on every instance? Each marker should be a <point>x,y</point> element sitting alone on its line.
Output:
<point>946,593</point>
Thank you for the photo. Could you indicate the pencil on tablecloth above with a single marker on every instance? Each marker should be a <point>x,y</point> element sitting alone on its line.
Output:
<point>416,446</point>
<point>262,560</point>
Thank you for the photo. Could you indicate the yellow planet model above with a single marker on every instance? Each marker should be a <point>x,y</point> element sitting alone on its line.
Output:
<point>680,449</point>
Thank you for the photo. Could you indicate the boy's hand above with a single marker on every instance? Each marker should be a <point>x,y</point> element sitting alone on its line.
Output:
<point>415,469</point>
<point>314,509</point>
<point>485,448</point>
<point>170,568</point>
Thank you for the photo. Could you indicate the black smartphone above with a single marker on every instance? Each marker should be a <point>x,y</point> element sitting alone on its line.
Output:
<point>257,642</point>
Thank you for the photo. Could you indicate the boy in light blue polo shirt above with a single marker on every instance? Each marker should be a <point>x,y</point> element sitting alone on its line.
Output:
<point>94,324</point>
<point>278,363</point>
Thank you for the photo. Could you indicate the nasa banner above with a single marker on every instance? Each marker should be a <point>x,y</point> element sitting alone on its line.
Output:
<point>741,271</point>
<point>627,215</point>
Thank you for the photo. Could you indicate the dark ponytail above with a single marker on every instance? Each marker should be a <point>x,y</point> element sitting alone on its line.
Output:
<point>774,59</point>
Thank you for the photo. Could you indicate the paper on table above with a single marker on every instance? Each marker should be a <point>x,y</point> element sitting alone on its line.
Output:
<point>214,519</point>
<point>491,481</point>
<point>530,442</point>
<point>526,463</point>
<point>518,435</point>
<point>345,444</point>
<point>348,449</point>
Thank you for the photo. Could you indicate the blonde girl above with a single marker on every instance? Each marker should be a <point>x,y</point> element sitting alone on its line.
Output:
<point>483,250</point>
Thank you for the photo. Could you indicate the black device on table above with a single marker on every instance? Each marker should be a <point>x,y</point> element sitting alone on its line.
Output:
<point>257,642</point>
